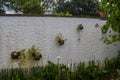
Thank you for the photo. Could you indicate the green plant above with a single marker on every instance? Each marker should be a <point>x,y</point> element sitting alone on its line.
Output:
<point>16,77</point>
<point>25,6</point>
<point>64,14</point>
<point>32,50</point>
<point>60,39</point>
<point>79,7</point>
<point>118,72</point>
<point>32,7</point>
<point>26,57</point>
<point>68,14</point>
<point>110,70</point>
<point>111,12</point>
<point>60,14</point>
<point>80,27</point>
<point>34,53</point>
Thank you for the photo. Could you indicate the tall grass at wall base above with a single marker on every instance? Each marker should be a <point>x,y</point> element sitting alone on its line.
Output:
<point>92,71</point>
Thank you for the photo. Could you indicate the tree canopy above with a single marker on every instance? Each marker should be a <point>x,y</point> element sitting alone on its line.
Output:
<point>79,7</point>
<point>48,5</point>
<point>2,11</point>
<point>74,7</point>
<point>33,7</point>
<point>25,6</point>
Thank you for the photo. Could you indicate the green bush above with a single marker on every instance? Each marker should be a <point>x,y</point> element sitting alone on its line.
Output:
<point>32,7</point>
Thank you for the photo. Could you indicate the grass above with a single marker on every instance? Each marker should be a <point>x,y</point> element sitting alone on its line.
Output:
<point>92,71</point>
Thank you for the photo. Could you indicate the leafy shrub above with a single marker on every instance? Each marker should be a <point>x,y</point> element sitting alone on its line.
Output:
<point>32,7</point>
<point>111,11</point>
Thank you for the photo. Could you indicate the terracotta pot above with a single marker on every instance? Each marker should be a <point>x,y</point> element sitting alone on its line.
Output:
<point>15,55</point>
<point>37,56</point>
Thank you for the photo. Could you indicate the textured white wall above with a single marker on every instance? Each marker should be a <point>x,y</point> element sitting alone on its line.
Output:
<point>17,33</point>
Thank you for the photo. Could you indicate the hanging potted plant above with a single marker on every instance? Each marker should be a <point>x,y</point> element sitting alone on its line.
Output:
<point>15,55</point>
<point>60,39</point>
<point>80,27</point>
<point>34,53</point>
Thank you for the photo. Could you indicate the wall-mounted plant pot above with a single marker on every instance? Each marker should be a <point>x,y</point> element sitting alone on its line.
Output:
<point>34,53</point>
<point>37,56</point>
<point>80,27</point>
<point>61,42</point>
<point>15,55</point>
<point>59,39</point>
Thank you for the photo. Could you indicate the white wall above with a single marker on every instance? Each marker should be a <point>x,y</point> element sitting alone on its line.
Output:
<point>17,33</point>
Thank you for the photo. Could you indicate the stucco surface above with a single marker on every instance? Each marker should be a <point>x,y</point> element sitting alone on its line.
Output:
<point>18,33</point>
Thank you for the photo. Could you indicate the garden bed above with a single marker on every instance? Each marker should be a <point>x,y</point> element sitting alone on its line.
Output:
<point>93,71</point>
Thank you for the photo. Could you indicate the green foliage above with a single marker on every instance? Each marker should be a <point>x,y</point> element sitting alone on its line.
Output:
<point>92,71</point>
<point>1,8</point>
<point>59,39</point>
<point>68,14</point>
<point>64,14</point>
<point>32,50</point>
<point>111,9</point>
<point>26,6</point>
<point>32,7</point>
<point>80,27</point>
<point>15,4</point>
<point>48,5</point>
<point>16,77</point>
<point>79,7</point>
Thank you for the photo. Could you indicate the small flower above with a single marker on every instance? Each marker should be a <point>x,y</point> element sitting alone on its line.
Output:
<point>58,57</point>
<point>97,25</point>
<point>68,66</point>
